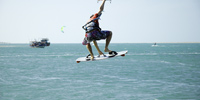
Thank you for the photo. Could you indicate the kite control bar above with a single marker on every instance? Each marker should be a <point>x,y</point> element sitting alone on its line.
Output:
<point>102,0</point>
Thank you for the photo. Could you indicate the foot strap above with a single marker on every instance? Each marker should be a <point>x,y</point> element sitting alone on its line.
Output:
<point>88,55</point>
<point>113,53</point>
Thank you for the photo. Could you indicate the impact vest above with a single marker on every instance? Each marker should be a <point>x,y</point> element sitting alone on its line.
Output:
<point>91,25</point>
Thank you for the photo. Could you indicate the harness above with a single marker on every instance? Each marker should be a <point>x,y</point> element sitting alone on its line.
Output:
<point>91,25</point>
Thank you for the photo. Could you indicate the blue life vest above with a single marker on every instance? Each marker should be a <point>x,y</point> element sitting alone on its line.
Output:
<point>91,25</point>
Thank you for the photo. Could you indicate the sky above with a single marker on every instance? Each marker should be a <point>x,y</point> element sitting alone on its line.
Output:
<point>131,21</point>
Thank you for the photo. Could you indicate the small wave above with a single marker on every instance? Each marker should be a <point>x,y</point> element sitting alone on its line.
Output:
<point>4,56</point>
<point>182,64</point>
<point>192,53</point>
<point>141,54</point>
<point>119,78</point>
<point>38,55</point>
<point>9,46</point>
<point>50,78</point>
<point>2,80</point>
<point>6,46</point>
<point>154,45</point>
<point>165,62</point>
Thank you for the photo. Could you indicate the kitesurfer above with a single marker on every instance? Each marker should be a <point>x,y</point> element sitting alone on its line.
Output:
<point>94,32</point>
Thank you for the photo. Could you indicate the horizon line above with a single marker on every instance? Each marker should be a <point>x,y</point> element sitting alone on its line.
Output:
<point>102,43</point>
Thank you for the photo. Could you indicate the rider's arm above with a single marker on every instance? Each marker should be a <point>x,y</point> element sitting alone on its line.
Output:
<point>101,7</point>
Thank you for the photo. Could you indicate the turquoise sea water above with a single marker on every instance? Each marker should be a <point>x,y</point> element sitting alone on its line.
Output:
<point>163,72</point>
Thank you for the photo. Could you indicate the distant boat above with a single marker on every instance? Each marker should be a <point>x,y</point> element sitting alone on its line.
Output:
<point>40,44</point>
<point>154,45</point>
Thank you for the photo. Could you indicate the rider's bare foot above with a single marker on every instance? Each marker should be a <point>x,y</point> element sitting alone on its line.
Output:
<point>100,53</point>
<point>92,58</point>
<point>107,50</point>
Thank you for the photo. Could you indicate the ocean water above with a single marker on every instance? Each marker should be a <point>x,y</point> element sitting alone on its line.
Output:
<point>163,72</point>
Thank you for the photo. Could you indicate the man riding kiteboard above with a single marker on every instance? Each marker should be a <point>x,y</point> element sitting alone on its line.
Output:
<point>94,32</point>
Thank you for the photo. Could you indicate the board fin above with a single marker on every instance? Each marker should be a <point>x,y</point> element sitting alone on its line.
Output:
<point>78,61</point>
<point>123,55</point>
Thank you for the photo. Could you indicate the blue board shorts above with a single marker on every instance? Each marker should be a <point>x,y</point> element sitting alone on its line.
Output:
<point>95,35</point>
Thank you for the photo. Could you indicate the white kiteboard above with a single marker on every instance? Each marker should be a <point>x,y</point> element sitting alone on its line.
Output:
<point>101,57</point>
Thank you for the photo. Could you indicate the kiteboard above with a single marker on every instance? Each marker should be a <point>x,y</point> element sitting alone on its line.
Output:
<point>101,57</point>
